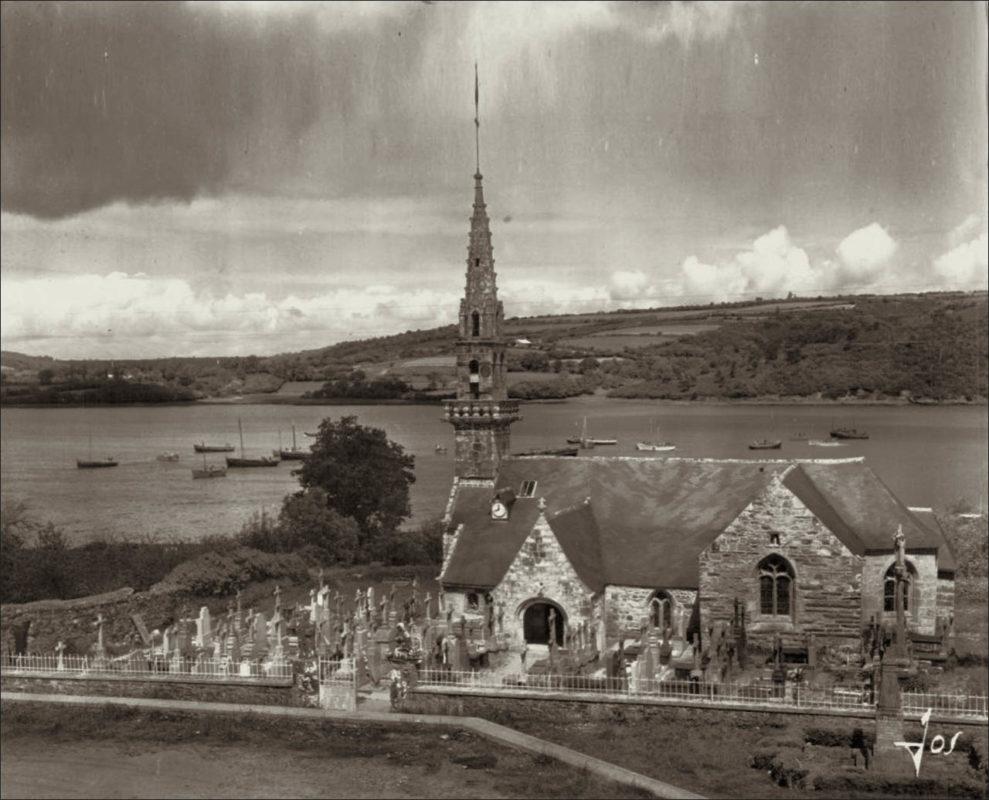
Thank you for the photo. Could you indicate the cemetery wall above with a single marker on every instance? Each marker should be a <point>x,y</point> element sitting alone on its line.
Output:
<point>576,710</point>
<point>72,620</point>
<point>827,575</point>
<point>161,689</point>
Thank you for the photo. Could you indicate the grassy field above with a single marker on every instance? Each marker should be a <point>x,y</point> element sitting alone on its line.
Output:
<point>290,757</point>
<point>713,754</point>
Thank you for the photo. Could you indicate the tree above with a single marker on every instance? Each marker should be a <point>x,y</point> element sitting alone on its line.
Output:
<point>364,475</point>
<point>307,521</point>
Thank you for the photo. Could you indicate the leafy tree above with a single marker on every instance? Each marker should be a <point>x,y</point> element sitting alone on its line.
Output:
<point>307,522</point>
<point>363,474</point>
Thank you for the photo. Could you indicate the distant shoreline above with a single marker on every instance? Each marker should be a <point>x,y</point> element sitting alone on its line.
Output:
<point>275,399</point>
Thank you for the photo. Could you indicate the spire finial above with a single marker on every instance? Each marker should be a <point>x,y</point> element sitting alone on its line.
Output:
<point>477,123</point>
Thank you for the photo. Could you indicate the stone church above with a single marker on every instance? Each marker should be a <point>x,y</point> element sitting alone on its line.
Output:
<point>601,546</point>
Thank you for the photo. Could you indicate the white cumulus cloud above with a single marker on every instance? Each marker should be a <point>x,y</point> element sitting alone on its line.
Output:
<point>865,253</point>
<point>965,266</point>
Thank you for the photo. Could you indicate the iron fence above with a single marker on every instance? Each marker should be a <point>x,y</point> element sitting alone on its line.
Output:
<point>149,667</point>
<point>791,695</point>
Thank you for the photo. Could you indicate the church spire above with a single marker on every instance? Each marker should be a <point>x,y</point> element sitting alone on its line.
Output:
<point>481,414</point>
<point>477,126</point>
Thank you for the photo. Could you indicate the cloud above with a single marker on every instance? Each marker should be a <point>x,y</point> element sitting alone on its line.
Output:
<point>865,253</point>
<point>773,265</point>
<point>964,230</point>
<point>628,285</point>
<point>131,315</point>
<point>965,266</point>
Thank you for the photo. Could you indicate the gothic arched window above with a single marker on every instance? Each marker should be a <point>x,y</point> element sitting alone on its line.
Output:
<point>909,584</point>
<point>775,586</point>
<point>475,324</point>
<point>661,611</point>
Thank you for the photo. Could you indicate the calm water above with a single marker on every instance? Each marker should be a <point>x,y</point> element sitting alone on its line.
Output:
<point>928,456</point>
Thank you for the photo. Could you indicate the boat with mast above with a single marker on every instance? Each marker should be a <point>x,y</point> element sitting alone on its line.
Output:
<point>767,443</point>
<point>209,470</point>
<point>94,463</point>
<point>586,442</point>
<point>655,445</point>
<point>244,461</point>
<point>295,453</point>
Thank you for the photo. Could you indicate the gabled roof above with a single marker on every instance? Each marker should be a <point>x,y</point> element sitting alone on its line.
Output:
<point>576,529</point>
<point>645,521</point>
<point>855,505</point>
<point>649,518</point>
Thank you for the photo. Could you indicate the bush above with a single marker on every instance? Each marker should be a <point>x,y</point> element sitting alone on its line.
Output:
<point>216,573</point>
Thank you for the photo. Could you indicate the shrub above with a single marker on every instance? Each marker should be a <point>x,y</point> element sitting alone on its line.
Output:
<point>216,573</point>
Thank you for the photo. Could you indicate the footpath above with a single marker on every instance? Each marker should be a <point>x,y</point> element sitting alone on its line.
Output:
<point>482,727</point>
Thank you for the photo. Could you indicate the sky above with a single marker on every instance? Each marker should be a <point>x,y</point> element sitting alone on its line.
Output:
<point>250,178</point>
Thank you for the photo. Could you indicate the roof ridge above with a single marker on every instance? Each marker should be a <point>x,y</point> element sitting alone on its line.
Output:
<point>570,508</point>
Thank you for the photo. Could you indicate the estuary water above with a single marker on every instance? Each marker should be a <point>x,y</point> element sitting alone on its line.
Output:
<point>926,455</point>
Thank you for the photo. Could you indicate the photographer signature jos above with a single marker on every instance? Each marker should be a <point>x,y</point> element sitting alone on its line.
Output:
<point>916,749</point>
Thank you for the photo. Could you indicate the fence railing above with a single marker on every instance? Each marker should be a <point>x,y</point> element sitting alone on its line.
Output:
<point>151,668</point>
<point>791,695</point>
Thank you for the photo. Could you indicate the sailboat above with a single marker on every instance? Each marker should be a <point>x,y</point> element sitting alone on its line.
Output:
<point>655,445</point>
<point>587,442</point>
<point>209,470</point>
<point>296,453</point>
<point>91,463</point>
<point>243,461</point>
<point>767,444</point>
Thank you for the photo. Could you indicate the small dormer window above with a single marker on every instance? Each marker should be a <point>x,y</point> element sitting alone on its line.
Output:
<point>527,489</point>
<point>774,538</point>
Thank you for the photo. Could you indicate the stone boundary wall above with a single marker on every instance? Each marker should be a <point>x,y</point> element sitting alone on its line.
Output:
<point>568,709</point>
<point>270,694</point>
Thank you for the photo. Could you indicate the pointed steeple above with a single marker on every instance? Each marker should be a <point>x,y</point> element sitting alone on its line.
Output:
<point>481,413</point>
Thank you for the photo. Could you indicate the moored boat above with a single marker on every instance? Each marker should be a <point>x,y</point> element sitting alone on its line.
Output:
<point>586,442</point>
<point>167,457</point>
<point>244,461</point>
<point>209,471</point>
<point>97,464</point>
<point>848,433</point>
<point>202,447</point>
<point>655,447</point>
<point>824,443</point>
<point>294,453</point>
<point>557,452</point>
<point>766,444</point>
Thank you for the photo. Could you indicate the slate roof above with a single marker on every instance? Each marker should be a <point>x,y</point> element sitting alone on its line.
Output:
<point>863,513</point>
<point>645,521</point>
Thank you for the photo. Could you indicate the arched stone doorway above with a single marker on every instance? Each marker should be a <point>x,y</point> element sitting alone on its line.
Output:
<point>536,622</point>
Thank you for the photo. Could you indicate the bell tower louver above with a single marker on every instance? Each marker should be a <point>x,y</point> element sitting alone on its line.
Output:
<point>482,414</point>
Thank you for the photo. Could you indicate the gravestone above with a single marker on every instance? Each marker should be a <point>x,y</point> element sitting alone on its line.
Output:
<point>204,629</point>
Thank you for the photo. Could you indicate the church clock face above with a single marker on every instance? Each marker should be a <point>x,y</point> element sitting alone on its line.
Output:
<point>498,510</point>
<point>486,370</point>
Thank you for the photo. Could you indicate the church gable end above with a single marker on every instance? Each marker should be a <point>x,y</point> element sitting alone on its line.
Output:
<point>541,570</point>
<point>793,575</point>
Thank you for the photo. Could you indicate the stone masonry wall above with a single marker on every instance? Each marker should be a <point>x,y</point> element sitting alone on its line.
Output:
<point>922,617</point>
<point>211,692</point>
<point>626,608</point>
<point>827,581</point>
<point>945,597</point>
<point>541,568</point>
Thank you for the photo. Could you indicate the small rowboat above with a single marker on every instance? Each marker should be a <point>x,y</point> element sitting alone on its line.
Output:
<point>766,444</point>
<point>209,471</point>
<point>655,447</point>
<point>167,457</point>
